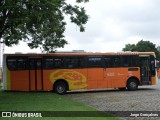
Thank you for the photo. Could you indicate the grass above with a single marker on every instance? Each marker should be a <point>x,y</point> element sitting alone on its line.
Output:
<point>43,101</point>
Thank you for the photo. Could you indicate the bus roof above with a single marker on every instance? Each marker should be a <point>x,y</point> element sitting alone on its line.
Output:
<point>81,54</point>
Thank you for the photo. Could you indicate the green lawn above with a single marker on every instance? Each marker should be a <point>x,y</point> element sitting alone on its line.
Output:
<point>43,101</point>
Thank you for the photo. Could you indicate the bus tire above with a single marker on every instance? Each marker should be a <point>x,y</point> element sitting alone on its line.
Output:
<point>60,88</point>
<point>132,84</point>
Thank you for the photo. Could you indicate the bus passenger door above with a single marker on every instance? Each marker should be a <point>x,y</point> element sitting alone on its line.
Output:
<point>35,74</point>
<point>145,70</point>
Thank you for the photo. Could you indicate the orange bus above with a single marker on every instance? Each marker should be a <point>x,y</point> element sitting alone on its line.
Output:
<point>62,72</point>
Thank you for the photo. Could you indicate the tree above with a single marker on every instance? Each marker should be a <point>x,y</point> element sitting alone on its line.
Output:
<point>129,47</point>
<point>40,23</point>
<point>142,46</point>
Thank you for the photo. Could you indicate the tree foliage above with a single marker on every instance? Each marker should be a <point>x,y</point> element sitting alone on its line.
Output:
<point>40,23</point>
<point>142,46</point>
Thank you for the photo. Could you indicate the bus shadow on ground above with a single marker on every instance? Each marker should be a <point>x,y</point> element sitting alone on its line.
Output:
<point>87,91</point>
<point>109,90</point>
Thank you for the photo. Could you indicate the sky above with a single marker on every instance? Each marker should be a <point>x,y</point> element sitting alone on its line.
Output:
<point>112,24</point>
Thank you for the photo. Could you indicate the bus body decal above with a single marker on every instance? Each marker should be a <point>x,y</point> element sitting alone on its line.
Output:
<point>76,80</point>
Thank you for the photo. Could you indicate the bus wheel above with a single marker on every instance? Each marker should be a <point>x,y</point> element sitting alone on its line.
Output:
<point>60,88</point>
<point>132,84</point>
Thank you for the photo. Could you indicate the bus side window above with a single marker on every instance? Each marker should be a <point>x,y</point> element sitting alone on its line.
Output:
<point>108,62</point>
<point>48,63</point>
<point>21,64</point>
<point>58,63</point>
<point>116,62</point>
<point>135,61</point>
<point>126,61</point>
<point>82,62</point>
<point>71,62</point>
<point>12,64</point>
<point>31,65</point>
<point>95,62</point>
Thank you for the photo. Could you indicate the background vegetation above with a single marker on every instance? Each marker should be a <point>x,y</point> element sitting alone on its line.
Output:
<point>40,23</point>
<point>142,46</point>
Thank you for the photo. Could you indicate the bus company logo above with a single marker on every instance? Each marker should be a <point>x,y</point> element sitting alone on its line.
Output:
<point>75,79</point>
<point>21,114</point>
<point>6,114</point>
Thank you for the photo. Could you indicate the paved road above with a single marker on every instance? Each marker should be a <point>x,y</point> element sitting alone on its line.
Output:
<point>146,98</point>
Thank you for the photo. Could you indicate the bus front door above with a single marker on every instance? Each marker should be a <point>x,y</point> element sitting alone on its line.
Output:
<point>35,74</point>
<point>145,70</point>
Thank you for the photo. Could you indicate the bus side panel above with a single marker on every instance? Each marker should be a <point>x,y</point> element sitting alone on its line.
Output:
<point>39,80</point>
<point>95,78</point>
<point>32,80</point>
<point>117,77</point>
<point>19,80</point>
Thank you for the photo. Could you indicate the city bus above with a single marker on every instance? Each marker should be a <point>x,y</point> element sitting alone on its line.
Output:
<point>62,72</point>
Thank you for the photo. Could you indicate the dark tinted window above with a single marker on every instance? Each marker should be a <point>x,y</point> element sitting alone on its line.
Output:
<point>38,64</point>
<point>112,61</point>
<point>17,63</point>
<point>31,65</point>
<point>66,62</point>
<point>95,62</point>
<point>12,64</point>
<point>71,62</point>
<point>135,61</point>
<point>108,62</point>
<point>116,61</point>
<point>58,63</point>
<point>52,63</point>
<point>74,62</point>
<point>48,63</point>
<point>82,62</point>
<point>121,61</point>
<point>126,61</point>
<point>21,64</point>
<point>130,61</point>
<point>35,64</point>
